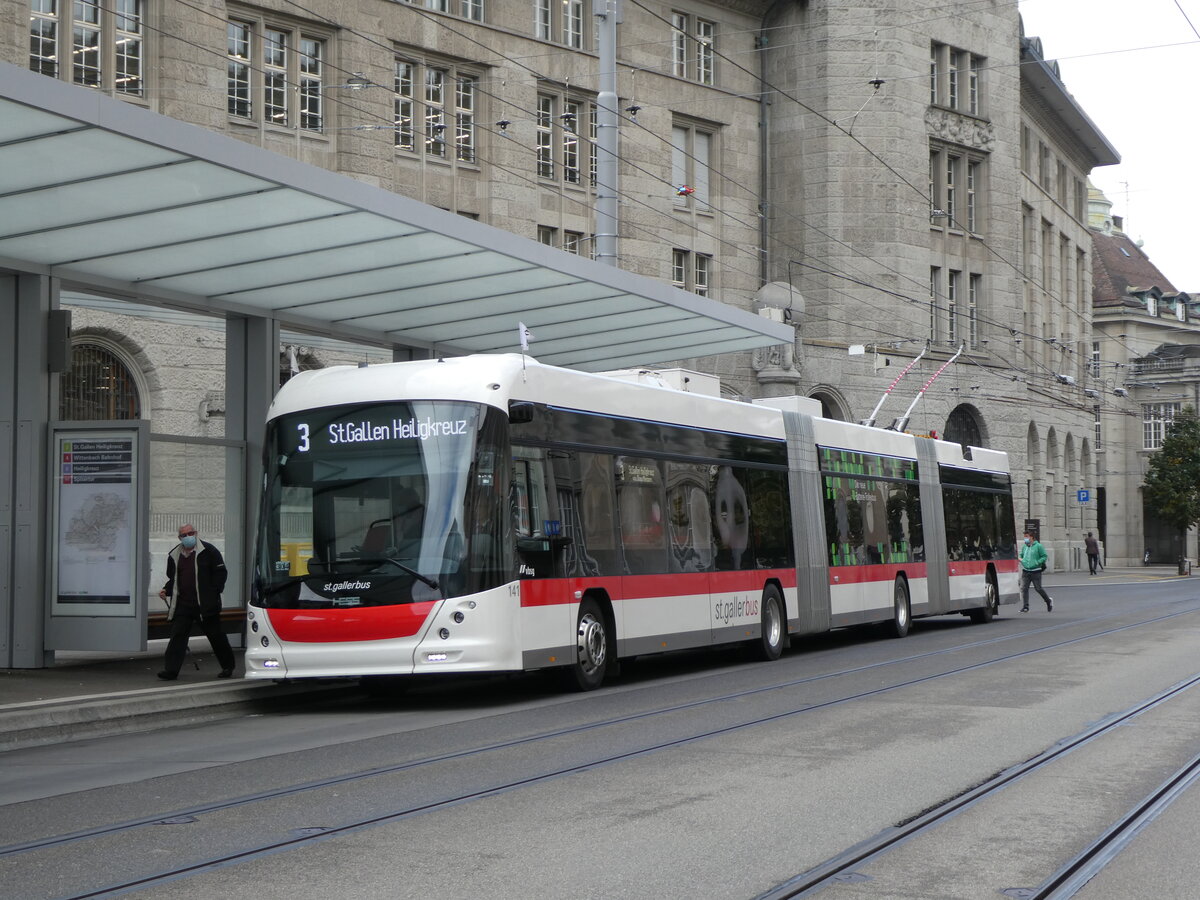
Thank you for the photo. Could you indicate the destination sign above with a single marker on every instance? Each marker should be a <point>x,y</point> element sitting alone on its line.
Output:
<point>367,431</point>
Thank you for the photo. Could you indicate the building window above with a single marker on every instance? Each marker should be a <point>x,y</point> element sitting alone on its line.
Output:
<point>573,23</point>
<point>275,74</point>
<point>974,291</point>
<point>679,29</point>
<point>98,386</point>
<point>563,21</point>
<point>701,274</point>
<point>104,43</point>
<point>952,68</point>
<point>973,172</point>
<point>956,186</point>
<point>467,9</point>
<point>547,235</point>
<point>573,242</point>
<point>953,163</point>
<point>705,50</point>
<point>446,103</point>
<point>693,47</point>
<point>692,271</point>
<point>1044,166</point>
<point>1095,359</point>
<point>1099,430</point>
<point>933,73</point>
<point>572,122</point>
<point>955,78</point>
<point>952,286</point>
<point>691,167</point>
<point>1156,419</point>
<point>973,86</point>
<point>559,141</point>
<point>935,283</point>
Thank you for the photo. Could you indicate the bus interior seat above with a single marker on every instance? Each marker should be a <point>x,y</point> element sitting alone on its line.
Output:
<point>377,539</point>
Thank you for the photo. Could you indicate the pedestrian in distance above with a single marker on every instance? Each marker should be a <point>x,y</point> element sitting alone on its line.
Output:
<point>1093,552</point>
<point>196,576</point>
<point>1033,563</point>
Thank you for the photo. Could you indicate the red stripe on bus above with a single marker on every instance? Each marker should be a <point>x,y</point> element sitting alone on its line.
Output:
<point>980,566</point>
<point>363,623</point>
<point>553,591</point>
<point>880,572</point>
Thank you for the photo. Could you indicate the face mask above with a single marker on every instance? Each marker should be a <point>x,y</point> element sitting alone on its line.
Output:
<point>190,541</point>
<point>1028,541</point>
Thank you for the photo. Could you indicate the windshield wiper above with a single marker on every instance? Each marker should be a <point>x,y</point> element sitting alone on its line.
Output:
<point>395,562</point>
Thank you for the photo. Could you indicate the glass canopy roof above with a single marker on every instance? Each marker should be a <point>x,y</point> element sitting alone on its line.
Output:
<point>106,195</point>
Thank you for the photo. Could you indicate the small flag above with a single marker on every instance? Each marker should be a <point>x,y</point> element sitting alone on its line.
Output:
<point>525,334</point>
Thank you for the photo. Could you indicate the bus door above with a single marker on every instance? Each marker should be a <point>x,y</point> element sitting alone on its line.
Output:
<point>541,540</point>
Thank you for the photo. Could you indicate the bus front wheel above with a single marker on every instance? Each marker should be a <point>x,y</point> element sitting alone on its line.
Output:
<point>587,672</point>
<point>769,645</point>
<point>901,610</point>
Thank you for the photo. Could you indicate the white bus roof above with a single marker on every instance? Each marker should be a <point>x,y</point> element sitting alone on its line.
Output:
<point>496,379</point>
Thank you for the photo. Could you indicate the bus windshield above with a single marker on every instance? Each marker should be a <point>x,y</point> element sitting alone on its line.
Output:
<point>408,493</point>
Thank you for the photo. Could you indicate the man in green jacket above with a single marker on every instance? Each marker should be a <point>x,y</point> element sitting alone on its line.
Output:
<point>1033,561</point>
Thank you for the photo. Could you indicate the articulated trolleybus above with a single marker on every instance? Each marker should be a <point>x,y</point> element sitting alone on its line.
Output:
<point>491,514</point>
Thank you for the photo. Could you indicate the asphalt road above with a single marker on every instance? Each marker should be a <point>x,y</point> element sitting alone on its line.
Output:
<point>695,776</point>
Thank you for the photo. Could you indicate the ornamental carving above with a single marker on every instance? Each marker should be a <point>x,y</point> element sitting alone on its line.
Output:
<point>955,128</point>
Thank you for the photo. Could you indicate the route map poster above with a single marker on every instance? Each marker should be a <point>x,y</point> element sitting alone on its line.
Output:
<point>96,514</point>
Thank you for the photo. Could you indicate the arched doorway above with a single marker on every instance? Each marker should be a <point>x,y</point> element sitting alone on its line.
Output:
<point>832,405</point>
<point>964,426</point>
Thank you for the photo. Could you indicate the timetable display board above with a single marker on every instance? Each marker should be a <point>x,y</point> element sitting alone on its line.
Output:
<point>96,515</point>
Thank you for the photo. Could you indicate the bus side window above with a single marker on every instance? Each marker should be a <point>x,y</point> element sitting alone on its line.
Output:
<point>731,512</point>
<point>597,512</point>
<point>640,504</point>
<point>689,521</point>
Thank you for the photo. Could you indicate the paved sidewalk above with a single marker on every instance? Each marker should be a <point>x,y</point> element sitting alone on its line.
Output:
<point>92,694</point>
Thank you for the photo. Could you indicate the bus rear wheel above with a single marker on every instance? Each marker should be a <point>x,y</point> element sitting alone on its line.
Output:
<point>769,645</point>
<point>901,610</point>
<point>991,603</point>
<point>587,672</point>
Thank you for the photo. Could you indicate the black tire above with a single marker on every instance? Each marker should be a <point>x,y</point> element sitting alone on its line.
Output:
<point>991,603</point>
<point>901,610</point>
<point>769,644</point>
<point>592,648</point>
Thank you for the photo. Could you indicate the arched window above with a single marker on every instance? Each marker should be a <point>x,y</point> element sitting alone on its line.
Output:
<point>98,386</point>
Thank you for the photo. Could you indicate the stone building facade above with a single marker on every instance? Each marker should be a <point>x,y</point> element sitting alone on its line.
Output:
<point>1145,369</point>
<point>888,178</point>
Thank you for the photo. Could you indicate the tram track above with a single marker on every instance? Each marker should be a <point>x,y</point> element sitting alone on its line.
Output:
<point>297,840</point>
<point>375,772</point>
<point>1068,880</point>
<point>1061,884</point>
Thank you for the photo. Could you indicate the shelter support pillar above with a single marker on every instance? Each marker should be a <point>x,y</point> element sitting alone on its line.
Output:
<point>251,380</point>
<point>25,396</point>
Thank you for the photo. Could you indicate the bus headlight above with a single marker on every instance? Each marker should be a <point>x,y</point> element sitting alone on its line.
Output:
<point>444,634</point>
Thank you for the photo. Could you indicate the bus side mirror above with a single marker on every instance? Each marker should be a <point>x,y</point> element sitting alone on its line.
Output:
<point>520,412</point>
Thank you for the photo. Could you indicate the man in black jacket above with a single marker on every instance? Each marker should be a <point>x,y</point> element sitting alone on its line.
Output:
<point>196,576</point>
